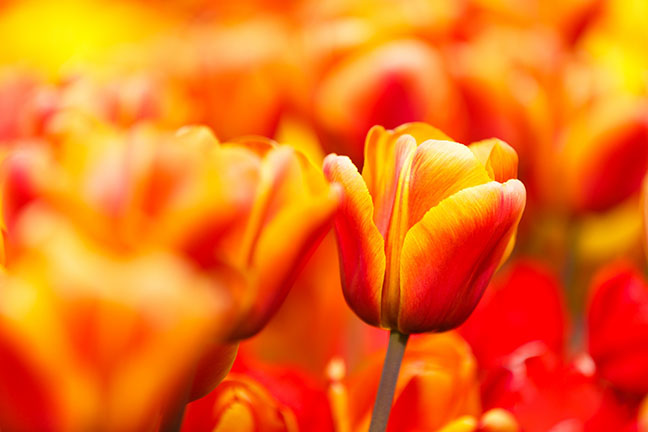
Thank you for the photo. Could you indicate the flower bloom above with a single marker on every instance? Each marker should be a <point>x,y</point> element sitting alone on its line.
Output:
<point>523,305</point>
<point>389,84</point>
<point>618,327</point>
<point>604,156</point>
<point>86,335</point>
<point>239,403</point>
<point>260,397</point>
<point>424,227</point>
<point>437,390</point>
<point>545,392</point>
<point>252,211</point>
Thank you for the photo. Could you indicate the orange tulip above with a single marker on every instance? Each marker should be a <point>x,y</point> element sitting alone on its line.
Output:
<point>389,84</point>
<point>242,404</point>
<point>437,390</point>
<point>437,384</point>
<point>251,211</point>
<point>426,225</point>
<point>97,340</point>
<point>259,397</point>
<point>605,154</point>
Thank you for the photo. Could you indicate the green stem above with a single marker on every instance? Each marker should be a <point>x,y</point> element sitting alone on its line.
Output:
<point>382,407</point>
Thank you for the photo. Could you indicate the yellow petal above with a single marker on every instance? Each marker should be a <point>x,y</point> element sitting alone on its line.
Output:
<point>439,170</point>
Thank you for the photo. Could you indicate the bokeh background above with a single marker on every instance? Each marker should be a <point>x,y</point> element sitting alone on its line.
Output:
<point>565,82</point>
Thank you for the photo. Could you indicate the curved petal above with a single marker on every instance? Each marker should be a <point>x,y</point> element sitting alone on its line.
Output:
<point>361,247</point>
<point>441,169</point>
<point>282,249</point>
<point>384,162</point>
<point>421,132</point>
<point>449,256</point>
<point>213,366</point>
<point>499,158</point>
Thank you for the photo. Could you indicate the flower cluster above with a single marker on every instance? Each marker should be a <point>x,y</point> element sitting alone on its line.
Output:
<point>214,212</point>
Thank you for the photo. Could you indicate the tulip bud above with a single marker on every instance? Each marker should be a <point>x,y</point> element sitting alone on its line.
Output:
<point>242,404</point>
<point>617,321</point>
<point>424,227</point>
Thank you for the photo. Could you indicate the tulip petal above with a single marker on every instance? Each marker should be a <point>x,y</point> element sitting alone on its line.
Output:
<point>449,256</point>
<point>499,158</point>
<point>385,157</point>
<point>361,247</point>
<point>284,246</point>
<point>421,132</point>
<point>439,170</point>
<point>383,164</point>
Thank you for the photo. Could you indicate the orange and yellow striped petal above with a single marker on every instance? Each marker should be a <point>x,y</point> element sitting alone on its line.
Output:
<point>361,247</point>
<point>439,170</point>
<point>384,161</point>
<point>449,256</point>
<point>277,260</point>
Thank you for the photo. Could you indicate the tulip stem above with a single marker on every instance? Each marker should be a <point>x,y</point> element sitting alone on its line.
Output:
<point>387,386</point>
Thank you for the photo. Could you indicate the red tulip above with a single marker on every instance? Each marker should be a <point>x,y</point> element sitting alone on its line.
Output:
<point>523,305</point>
<point>617,333</point>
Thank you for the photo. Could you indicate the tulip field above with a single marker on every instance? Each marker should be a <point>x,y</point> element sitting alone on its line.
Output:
<point>324,216</point>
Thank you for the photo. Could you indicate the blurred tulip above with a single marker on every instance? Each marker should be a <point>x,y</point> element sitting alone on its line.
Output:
<point>273,397</point>
<point>569,19</point>
<point>237,202</point>
<point>605,154</point>
<point>391,84</point>
<point>617,333</point>
<point>235,92</point>
<point>212,367</point>
<point>644,214</point>
<point>546,394</point>
<point>523,305</point>
<point>243,204</point>
<point>437,384</point>
<point>97,340</point>
<point>423,229</point>
<point>239,404</point>
<point>328,327</point>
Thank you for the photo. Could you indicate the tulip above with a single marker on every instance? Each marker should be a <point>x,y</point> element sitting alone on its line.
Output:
<point>94,340</point>
<point>252,211</point>
<point>437,391</point>
<point>241,404</point>
<point>544,392</point>
<point>618,327</point>
<point>438,384</point>
<point>274,397</point>
<point>243,204</point>
<point>423,229</point>
<point>605,154</point>
<point>389,84</point>
<point>523,305</point>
